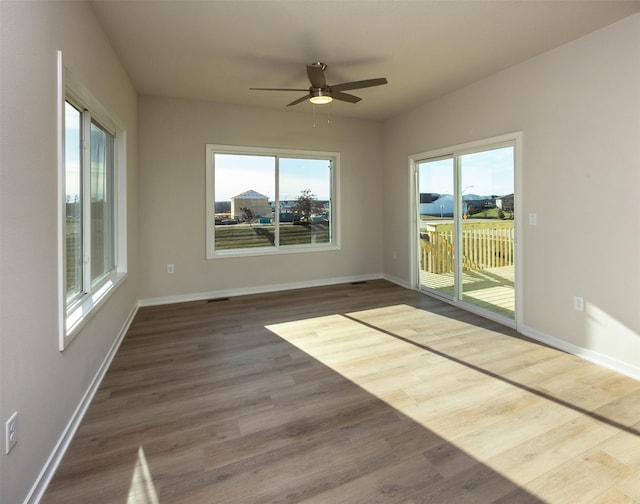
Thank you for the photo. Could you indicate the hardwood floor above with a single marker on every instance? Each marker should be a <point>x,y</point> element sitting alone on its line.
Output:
<point>364,393</point>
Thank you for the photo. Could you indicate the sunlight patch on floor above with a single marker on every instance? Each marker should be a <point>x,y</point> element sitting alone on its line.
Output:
<point>462,388</point>
<point>142,490</point>
<point>404,375</point>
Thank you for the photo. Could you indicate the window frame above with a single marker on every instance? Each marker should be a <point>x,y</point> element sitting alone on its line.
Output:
<point>75,313</point>
<point>334,213</point>
<point>515,140</point>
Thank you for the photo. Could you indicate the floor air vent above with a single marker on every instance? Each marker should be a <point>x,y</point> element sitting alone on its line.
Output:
<point>216,300</point>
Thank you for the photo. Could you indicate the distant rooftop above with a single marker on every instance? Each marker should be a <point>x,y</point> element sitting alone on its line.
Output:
<point>250,194</point>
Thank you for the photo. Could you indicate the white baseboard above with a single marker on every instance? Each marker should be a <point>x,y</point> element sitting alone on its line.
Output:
<point>397,281</point>
<point>50,467</point>
<point>201,296</point>
<point>584,353</point>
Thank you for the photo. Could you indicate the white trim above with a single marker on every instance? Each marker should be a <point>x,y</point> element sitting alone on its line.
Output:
<point>202,296</point>
<point>518,231</point>
<point>77,318</point>
<point>515,139</point>
<point>266,251</point>
<point>51,465</point>
<point>62,301</point>
<point>120,187</point>
<point>78,92</point>
<point>335,214</point>
<point>72,318</point>
<point>467,148</point>
<point>584,353</point>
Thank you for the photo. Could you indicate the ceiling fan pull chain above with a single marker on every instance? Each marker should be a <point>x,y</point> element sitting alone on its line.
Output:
<point>313,106</point>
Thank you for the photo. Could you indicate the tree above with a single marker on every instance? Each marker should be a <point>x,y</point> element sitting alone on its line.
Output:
<point>307,205</point>
<point>247,215</point>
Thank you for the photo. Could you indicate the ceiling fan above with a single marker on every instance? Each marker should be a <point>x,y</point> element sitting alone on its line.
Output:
<point>320,92</point>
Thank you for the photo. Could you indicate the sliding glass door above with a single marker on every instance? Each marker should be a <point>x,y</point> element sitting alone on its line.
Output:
<point>466,227</point>
<point>487,230</point>
<point>435,225</point>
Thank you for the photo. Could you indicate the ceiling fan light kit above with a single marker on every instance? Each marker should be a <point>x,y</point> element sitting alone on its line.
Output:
<point>320,97</point>
<point>319,93</point>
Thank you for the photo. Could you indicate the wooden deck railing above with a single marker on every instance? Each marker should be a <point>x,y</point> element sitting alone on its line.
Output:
<point>485,244</point>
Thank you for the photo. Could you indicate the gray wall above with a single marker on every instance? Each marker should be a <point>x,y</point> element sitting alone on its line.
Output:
<point>44,385</point>
<point>173,135</point>
<point>578,108</point>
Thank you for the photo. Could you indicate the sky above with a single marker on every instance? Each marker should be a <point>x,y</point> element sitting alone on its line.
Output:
<point>235,174</point>
<point>72,151</point>
<point>483,173</point>
<point>101,143</point>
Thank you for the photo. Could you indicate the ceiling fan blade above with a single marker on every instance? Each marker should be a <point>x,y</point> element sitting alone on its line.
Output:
<point>299,100</point>
<point>359,84</point>
<point>274,89</point>
<point>338,95</point>
<point>315,73</point>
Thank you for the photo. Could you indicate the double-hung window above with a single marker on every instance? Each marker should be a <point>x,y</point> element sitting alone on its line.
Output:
<point>91,220</point>
<point>89,203</point>
<point>270,201</point>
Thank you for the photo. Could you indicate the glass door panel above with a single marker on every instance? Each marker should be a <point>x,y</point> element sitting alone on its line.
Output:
<point>487,230</point>
<point>435,182</point>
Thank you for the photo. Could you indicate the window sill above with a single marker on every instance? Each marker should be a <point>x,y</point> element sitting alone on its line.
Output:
<point>79,316</point>
<point>272,251</point>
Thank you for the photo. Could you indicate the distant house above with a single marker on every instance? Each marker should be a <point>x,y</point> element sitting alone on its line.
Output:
<point>505,203</point>
<point>436,204</point>
<point>256,202</point>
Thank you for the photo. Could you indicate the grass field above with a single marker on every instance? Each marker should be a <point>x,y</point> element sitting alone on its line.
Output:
<point>242,236</point>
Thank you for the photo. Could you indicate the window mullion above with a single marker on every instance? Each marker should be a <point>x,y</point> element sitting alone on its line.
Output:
<point>276,220</point>
<point>86,200</point>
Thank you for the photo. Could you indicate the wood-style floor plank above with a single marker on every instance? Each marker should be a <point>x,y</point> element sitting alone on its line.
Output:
<point>356,393</point>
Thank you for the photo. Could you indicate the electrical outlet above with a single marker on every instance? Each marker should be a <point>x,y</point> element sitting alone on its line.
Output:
<point>11,432</point>
<point>170,268</point>
<point>578,303</point>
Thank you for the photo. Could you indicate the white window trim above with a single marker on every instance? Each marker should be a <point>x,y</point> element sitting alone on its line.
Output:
<point>71,321</point>
<point>211,253</point>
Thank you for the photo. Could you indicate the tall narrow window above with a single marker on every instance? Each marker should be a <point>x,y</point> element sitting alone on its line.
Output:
<point>92,244</point>
<point>89,175</point>
<point>266,201</point>
<point>91,230</point>
<point>102,204</point>
<point>73,203</point>
<point>305,200</point>
<point>244,187</point>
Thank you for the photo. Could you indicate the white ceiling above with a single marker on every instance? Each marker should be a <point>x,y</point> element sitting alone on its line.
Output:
<point>215,50</point>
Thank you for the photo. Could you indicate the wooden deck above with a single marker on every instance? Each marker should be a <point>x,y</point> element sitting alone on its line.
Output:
<point>490,288</point>
<point>353,394</point>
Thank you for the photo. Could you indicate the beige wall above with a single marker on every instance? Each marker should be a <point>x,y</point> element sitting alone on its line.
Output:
<point>44,385</point>
<point>578,108</point>
<point>173,136</point>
